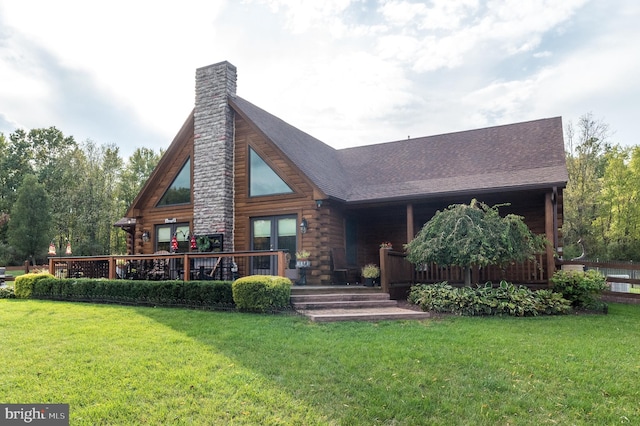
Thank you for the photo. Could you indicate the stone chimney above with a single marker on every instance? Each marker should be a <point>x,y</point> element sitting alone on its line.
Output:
<point>213,152</point>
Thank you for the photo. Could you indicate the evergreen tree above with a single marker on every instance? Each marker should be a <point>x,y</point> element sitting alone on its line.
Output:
<point>30,220</point>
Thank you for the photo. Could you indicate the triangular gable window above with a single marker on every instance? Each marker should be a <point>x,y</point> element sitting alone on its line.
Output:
<point>262,179</point>
<point>180,190</point>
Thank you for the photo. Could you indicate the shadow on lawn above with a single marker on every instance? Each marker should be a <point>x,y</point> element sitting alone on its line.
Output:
<point>346,372</point>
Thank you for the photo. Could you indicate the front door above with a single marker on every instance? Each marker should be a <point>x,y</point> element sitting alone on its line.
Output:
<point>273,233</point>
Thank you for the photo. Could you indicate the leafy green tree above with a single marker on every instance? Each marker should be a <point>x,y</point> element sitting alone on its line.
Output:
<point>473,235</point>
<point>135,173</point>
<point>616,226</point>
<point>587,146</point>
<point>89,186</point>
<point>30,222</point>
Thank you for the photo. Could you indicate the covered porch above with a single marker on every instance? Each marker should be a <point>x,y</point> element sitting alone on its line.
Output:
<point>367,227</point>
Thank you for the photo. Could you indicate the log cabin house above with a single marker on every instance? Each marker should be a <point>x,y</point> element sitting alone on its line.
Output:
<point>237,178</point>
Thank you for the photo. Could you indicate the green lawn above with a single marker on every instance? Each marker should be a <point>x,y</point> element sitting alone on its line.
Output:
<point>134,365</point>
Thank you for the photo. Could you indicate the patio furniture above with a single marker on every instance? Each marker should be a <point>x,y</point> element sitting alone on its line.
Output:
<point>340,268</point>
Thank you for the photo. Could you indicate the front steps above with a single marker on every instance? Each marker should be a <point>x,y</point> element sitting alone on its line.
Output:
<point>348,303</point>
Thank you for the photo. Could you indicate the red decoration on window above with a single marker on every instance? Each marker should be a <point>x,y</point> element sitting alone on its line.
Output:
<point>174,243</point>
<point>193,243</point>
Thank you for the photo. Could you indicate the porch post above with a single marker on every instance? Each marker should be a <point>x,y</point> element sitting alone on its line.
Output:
<point>281,263</point>
<point>550,234</point>
<point>384,270</point>
<point>410,234</point>
<point>112,268</point>
<point>187,268</point>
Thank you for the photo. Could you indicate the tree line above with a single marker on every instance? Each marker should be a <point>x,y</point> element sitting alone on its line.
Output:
<point>601,200</point>
<point>54,190</point>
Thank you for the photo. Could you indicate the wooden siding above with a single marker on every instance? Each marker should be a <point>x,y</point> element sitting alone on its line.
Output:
<point>300,203</point>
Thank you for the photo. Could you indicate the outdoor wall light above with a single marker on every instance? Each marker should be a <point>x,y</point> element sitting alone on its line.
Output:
<point>304,226</point>
<point>146,236</point>
<point>318,204</point>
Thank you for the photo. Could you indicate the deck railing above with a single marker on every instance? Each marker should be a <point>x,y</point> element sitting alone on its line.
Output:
<point>180,266</point>
<point>396,269</point>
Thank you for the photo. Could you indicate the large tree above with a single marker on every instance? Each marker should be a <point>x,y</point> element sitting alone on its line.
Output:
<point>473,235</point>
<point>30,223</point>
<point>586,154</point>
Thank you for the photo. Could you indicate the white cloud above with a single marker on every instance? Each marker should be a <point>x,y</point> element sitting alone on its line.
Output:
<point>347,71</point>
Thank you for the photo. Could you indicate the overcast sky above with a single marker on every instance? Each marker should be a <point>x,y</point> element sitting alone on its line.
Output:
<point>349,72</point>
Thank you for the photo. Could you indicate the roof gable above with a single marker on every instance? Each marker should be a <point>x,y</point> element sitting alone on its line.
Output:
<point>168,159</point>
<point>521,155</point>
<point>315,159</point>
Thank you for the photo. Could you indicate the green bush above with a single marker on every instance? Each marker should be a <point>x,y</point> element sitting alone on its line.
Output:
<point>23,285</point>
<point>582,289</point>
<point>215,294</point>
<point>261,293</point>
<point>505,299</point>
<point>7,293</point>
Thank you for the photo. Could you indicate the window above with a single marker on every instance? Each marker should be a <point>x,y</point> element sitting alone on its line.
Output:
<point>262,179</point>
<point>165,232</point>
<point>179,192</point>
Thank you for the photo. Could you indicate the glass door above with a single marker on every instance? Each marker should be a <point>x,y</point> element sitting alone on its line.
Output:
<point>273,233</point>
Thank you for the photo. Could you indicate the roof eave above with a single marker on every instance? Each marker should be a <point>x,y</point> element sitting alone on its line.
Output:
<point>459,193</point>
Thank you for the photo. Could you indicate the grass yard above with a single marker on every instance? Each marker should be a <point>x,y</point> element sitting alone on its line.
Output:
<point>133,365</point>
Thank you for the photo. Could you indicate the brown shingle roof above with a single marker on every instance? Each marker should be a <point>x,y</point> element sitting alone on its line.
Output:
<point>521,155</point>
<point>529,154</point>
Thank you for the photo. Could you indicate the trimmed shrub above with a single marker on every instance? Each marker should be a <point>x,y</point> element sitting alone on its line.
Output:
<point>7,293</point>
<point>23,284</point>
<point>214,294</point>
<point>261,293</point>
<point>582,289</point>
<point>505,299</point>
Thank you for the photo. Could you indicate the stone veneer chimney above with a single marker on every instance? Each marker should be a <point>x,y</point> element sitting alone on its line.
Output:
<point>213,152</point>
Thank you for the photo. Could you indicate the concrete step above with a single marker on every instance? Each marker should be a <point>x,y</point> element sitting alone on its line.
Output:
<point>344,304</point>
<point>349,303</point>
<point>371,314</point>
<point>330,297</point>
<point>341,289</point>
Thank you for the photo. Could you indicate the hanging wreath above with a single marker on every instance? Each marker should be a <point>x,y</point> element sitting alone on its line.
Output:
<point>203,243</point>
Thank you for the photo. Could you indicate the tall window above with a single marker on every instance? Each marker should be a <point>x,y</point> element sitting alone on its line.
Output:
<point>262,179</point>
<point>273,233</point>
<point>179,192</point>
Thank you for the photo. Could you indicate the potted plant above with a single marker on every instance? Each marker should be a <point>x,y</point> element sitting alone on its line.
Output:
<point>302,259</point>
<point>386,245</point>
<point>370,272</point>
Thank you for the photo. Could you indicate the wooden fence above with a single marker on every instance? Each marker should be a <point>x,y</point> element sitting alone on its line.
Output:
<point>395,271</point>
<point>623,278</point>
<point>397,275</point>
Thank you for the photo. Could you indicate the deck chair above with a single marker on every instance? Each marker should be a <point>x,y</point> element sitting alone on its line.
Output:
<point>341,271</point>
